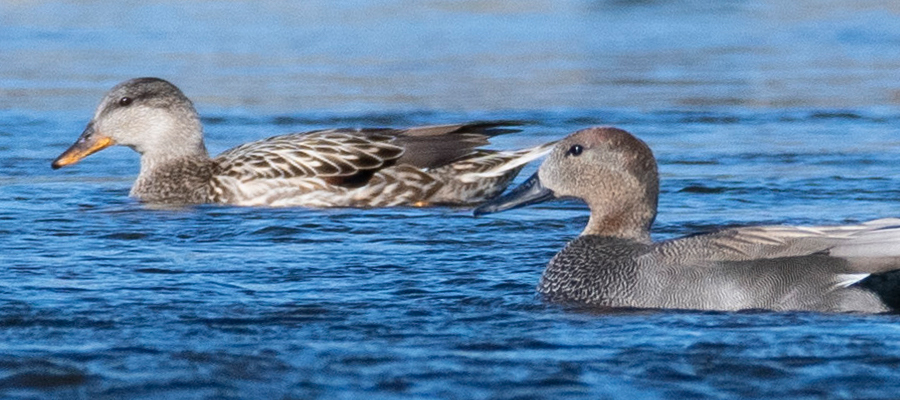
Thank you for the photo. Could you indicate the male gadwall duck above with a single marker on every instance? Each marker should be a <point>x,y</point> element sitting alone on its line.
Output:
<point>614,263</point>
<point>421,166</point>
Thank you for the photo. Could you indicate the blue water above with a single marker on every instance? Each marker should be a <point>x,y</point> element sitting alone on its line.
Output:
<point>759,112</point>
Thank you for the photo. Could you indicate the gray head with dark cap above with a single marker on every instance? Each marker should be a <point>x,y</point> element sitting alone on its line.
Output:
<point>609,169</point>
<point>150,115</point>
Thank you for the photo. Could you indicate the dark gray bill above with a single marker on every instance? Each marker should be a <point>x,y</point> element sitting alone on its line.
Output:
<point>529,192</point>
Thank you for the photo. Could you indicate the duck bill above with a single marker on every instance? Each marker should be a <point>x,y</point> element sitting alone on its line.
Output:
<point>529,192</point>
<point>88,143</point>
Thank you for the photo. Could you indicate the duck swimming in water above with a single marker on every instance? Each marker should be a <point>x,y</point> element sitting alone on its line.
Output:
<point>614,262</point>
<point>419,166</point>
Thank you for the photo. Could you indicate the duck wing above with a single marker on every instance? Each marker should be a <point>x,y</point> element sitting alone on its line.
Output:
<point>869,247</point>
<point>332,153</point>
<point>347,152</point>
<point>438,145</point>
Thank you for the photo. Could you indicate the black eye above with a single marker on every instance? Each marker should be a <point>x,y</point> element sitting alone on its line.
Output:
<point>125,101</point>
<point>575,150</point>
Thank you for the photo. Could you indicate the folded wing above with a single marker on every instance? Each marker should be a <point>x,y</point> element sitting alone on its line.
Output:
<point>328,153</point>
<point>869,247</point>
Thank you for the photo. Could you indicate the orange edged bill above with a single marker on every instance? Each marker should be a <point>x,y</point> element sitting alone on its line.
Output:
<point>88,143</point>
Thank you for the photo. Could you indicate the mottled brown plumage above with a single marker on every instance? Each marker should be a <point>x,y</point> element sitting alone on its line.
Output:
<point>428,165</point>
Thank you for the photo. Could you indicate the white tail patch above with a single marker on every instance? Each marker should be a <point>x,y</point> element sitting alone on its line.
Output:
<point>845,280</point>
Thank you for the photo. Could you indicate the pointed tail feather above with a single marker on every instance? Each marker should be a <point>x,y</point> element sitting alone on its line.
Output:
<point>517,159</point>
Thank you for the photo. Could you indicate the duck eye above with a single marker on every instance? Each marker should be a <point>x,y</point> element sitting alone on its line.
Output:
<point>575,150</point>
<point>125,101</point>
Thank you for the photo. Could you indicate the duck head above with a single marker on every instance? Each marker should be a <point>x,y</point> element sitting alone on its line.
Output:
<point>150,115</point>
<point>609,169</point>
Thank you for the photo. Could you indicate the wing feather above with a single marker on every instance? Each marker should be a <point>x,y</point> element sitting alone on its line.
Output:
<point>348,151</point>
<point>870,247</point>
<point>329,153</point>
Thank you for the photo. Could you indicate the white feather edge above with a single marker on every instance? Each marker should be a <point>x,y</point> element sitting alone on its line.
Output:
<point>528,156</point>
<point>846,280</point>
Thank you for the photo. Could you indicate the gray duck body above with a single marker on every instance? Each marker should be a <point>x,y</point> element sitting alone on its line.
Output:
<point>377,167</point>
<point>614,262</point>
<point>611,272</point>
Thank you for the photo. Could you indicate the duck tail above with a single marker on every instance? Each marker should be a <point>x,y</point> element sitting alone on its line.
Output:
<point>513,161</point>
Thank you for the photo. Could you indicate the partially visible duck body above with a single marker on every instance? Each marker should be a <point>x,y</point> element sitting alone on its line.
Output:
<point>614,263</point>
<point>379,167</point>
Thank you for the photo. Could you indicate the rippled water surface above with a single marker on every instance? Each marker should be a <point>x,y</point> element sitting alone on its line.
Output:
<point>759,112</point>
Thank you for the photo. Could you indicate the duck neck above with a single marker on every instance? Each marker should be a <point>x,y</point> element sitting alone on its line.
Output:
<point>173,179</point>
<point>150,163</point>
<point>157,157</point>
<point>170,138</point>
<point>176,152</point>
<point>623,222</point>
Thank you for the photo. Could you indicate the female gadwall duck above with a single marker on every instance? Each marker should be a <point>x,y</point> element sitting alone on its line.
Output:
<point>614,263</point>
<point>429,165</point>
